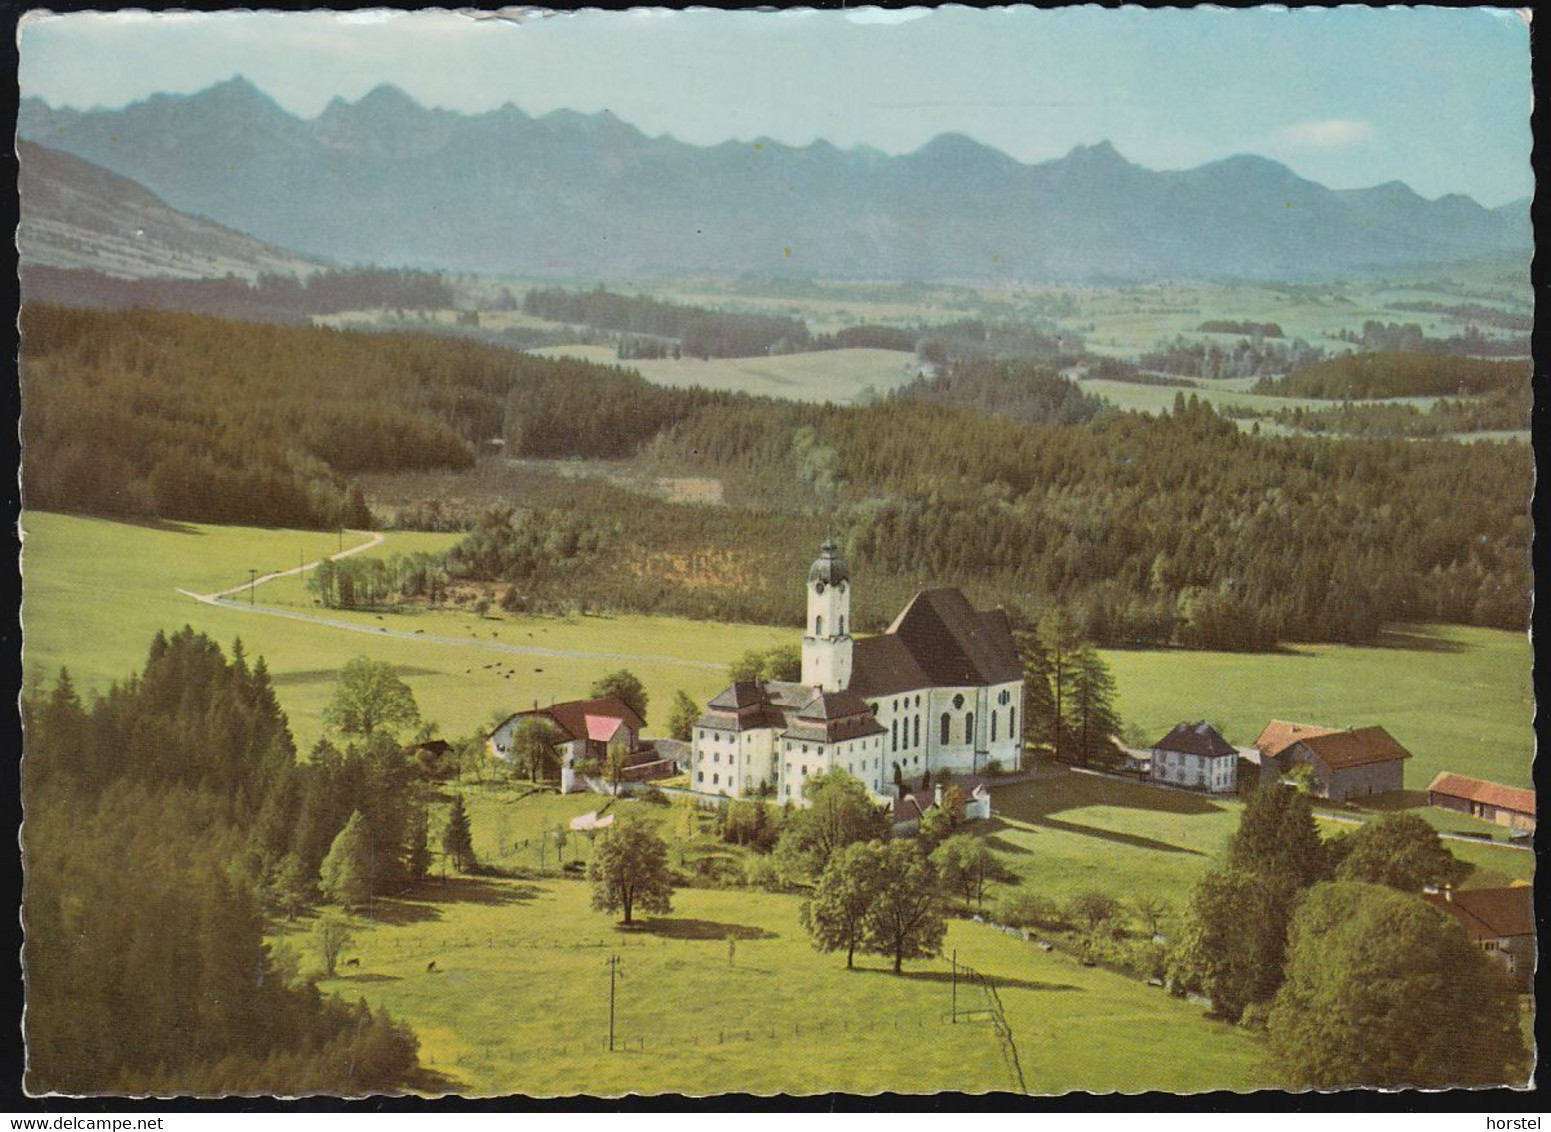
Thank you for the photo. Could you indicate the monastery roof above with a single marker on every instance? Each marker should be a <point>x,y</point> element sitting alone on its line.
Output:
<point>1279,735</point>
<point>1196,739</point>
<point>938,640</point>
<point>1342,749</point>
<point>742,694</point>
<point>1480,790</point>
<point>832,717</point>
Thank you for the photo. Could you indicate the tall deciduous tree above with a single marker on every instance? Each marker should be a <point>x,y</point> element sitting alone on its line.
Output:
<point>368,698</point>
<point>627,686</point>
<point>1234,944</point>
<point>347,870</point>
<point>681,716</point>
<point>966,865</point>
<point>629,871</point>
<point>839,812</point>
<point>906,919</point>
<point>458,836</point>
<point>1400,850</point>
<point>836,916</point>
<point>1383,991</point>
<point>533,748</point>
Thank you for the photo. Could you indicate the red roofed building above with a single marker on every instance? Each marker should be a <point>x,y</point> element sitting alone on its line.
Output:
<point>1349,764</point>
<point>585,732</point>
<point>1489,801</point>
<point>1500,921</point>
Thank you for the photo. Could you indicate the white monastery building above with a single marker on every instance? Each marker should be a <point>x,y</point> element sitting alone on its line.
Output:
<point>941,689</point>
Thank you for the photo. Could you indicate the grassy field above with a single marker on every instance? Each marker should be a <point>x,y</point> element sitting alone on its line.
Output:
<point>826,375</point>
<point>519,1003</point>
<point>1457,698</point>
<point>97,591</point>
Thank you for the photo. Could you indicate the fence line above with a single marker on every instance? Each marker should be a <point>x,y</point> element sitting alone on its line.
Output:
<point>998,1014</point>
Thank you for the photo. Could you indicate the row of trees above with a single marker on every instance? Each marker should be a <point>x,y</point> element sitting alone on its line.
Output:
<point>1397,373</point>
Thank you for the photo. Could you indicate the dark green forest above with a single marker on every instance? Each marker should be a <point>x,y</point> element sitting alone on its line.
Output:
<point>269,298</point>
<point>165,822</point>
<point>1148,530</point>
<point>1398,373</point>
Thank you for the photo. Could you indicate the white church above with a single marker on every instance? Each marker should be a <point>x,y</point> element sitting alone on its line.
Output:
<point>942,688</point>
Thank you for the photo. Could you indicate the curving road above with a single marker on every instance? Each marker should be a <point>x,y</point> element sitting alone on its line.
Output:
<point>221,600</point>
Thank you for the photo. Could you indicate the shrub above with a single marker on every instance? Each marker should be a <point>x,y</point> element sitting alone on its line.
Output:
<point>653,796</point>
<point>1027,910</point>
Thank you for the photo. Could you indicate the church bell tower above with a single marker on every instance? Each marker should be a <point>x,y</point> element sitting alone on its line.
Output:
<point>826,642</point>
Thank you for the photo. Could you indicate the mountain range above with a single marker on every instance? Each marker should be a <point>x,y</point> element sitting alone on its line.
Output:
<point>385,180</point>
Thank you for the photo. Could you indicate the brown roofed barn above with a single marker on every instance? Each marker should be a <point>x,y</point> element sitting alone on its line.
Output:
<point>1490,801</point>
<point>1350,764</point>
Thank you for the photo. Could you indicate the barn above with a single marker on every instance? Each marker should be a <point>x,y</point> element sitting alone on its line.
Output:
<point>1489,801</point>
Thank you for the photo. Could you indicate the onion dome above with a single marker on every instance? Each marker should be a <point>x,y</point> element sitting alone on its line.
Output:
<point>829,567</point>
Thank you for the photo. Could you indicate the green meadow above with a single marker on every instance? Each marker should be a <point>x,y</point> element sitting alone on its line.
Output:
<point>518,1002</point>
<point>95,592</point>
<point>1457,698</point>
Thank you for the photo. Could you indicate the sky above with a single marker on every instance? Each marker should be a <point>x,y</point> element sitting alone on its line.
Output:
<point>1439,98</point>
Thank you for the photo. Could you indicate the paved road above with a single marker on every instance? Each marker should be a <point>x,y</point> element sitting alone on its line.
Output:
<point>222,599</point>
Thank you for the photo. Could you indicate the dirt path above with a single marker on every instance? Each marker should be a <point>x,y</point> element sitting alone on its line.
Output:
<point>222,600</point>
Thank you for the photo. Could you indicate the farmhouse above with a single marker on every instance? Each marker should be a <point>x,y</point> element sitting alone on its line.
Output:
<point>1277,737</point>
<point>1194,754</point>
<point>1500,921</point>
<point>942,688</point>
<point>587,734</point>
<point>1491,801</point>
<point>1350,764</point>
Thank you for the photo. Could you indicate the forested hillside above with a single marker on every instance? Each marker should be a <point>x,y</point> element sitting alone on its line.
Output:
<point>1170,529</point>
<point>162,822</point>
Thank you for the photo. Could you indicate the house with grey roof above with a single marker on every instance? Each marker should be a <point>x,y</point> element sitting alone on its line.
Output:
<point>942,688</point>
<point>1196,755</point>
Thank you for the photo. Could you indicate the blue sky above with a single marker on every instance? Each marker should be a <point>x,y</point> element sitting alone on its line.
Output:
<point>1438,98</point>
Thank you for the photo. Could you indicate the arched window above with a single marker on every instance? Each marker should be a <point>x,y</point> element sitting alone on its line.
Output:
<point>969,727</point>
<point>842,626</point>
<point>918,728</point>
<point>993,725</point>
<point>818,626</point>
<point>894,735</point>
<point>944,729</point>
<point>1012,723</point>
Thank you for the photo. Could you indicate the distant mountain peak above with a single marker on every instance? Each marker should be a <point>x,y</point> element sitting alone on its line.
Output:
<point>387,98</point>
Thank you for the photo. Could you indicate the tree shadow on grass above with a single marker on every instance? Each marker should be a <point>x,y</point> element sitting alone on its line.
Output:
<point>695,929</point>
<point>1418,640</point>
<point>1395,801</point>
<point>1131,839</point>
<point>1035,801</point>
<point>432,1083</point>
<point>369,978</point>
<point>945,978</point>
<point>423,903</point>
<point>166,526</point>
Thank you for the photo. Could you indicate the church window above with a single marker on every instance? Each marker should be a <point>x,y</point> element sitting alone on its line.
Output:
<point>1012,722</point>
<point>917,743</point>
<point>894,735</point>
<point>993,727</point>
<point>842,626</point>
<point>944,728</point>
<point>818,626</point>
<point>969,727</point>
<point>958,702</point>
<point>918,700</point>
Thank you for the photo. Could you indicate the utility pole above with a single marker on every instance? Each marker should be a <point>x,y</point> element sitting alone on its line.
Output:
<point>613,962</point>
<point>252,581</point>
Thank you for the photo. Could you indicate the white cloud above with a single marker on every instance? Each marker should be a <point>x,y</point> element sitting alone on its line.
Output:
<point>1325,133</point>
